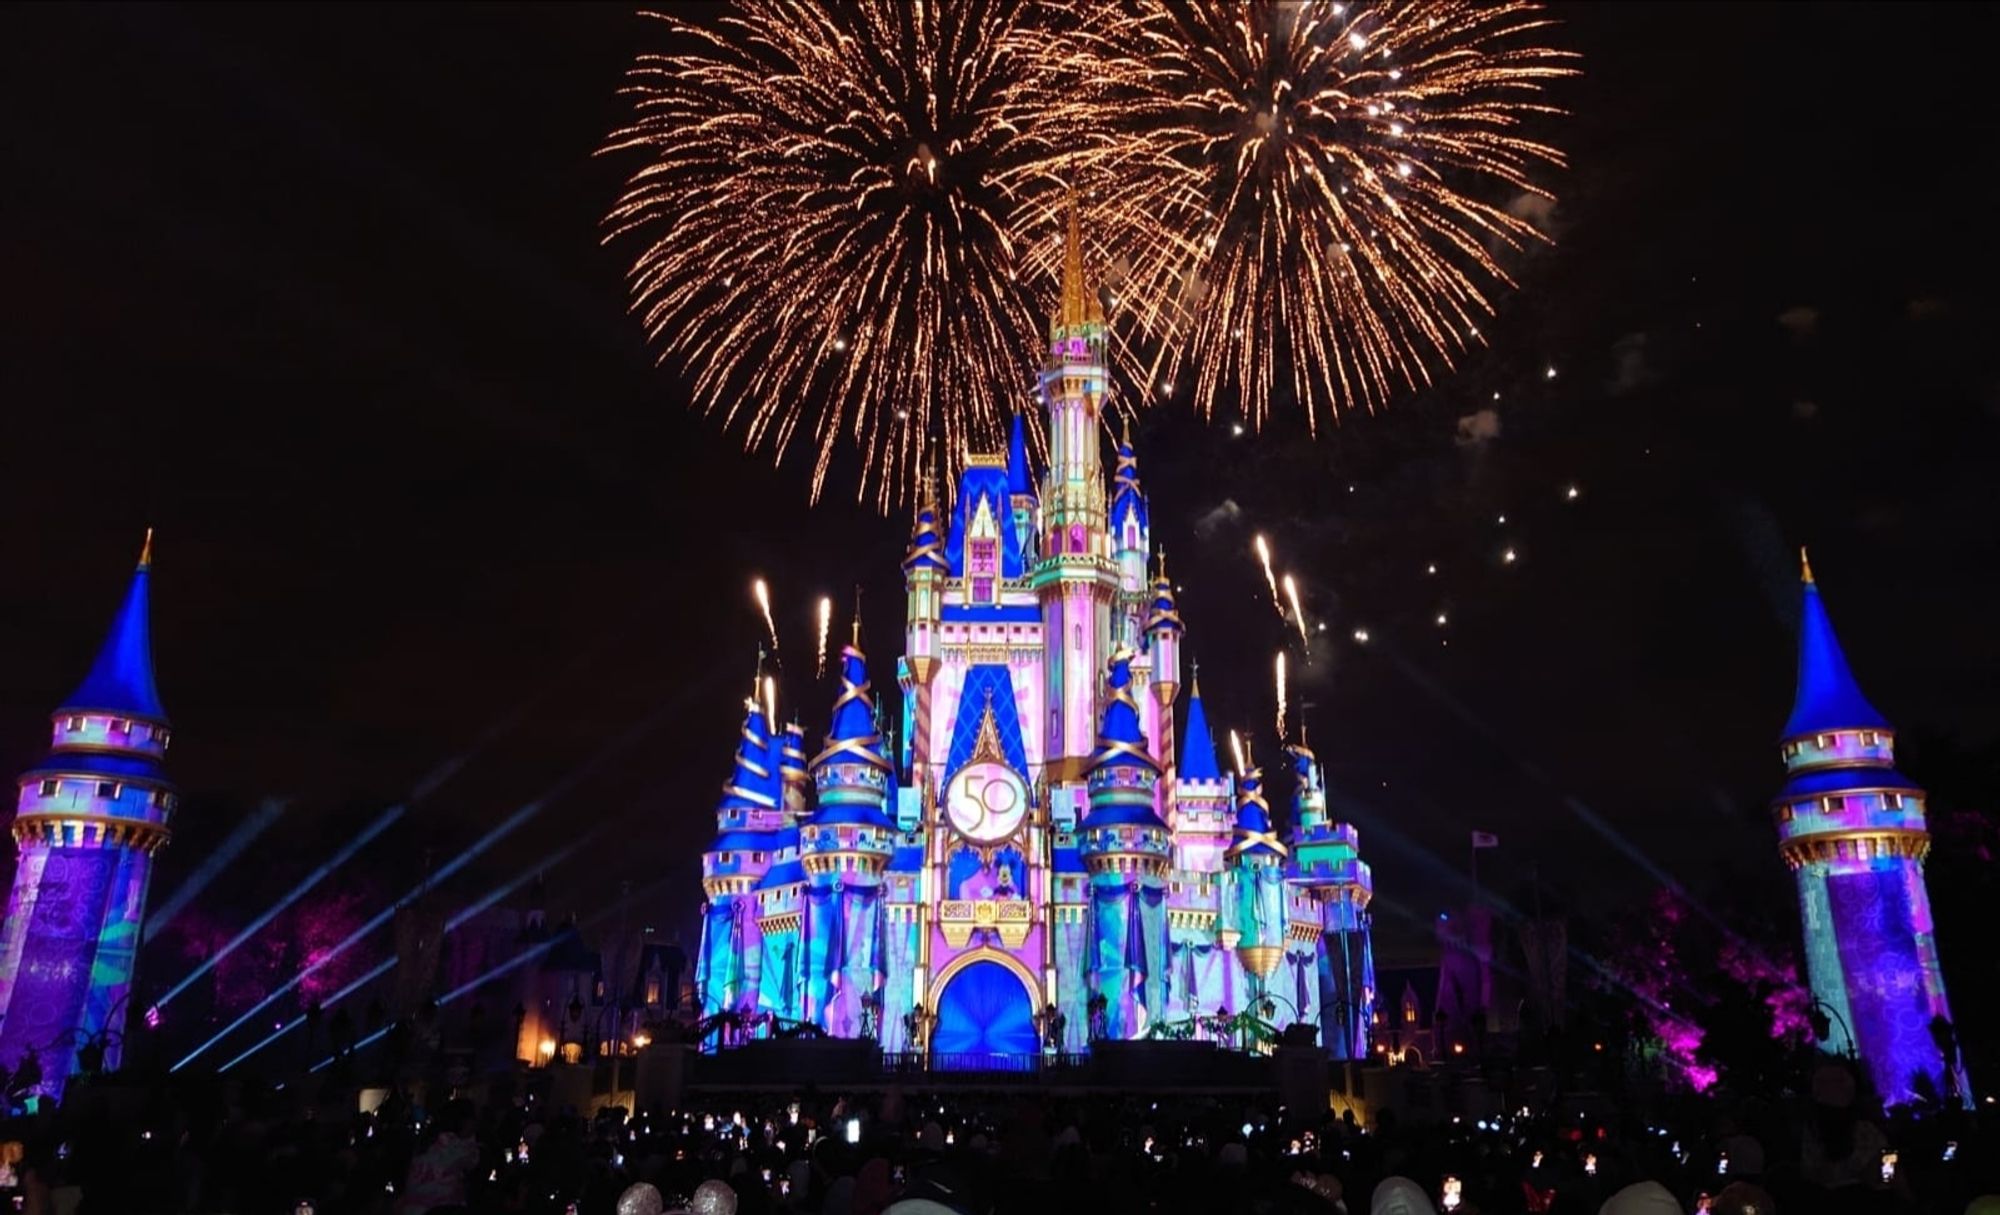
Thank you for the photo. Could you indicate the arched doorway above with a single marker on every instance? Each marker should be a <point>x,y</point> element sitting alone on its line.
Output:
<point>985,1022</point>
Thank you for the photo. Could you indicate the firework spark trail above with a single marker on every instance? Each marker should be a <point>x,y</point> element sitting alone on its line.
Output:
<point>1298,613</point>
<point>1236,749</point>
<point>1280,667</point>
<point>829,212</point>
<point>1270,579</point>
<point>825,627</point>
<point>1300,192</point>
<point>762,593</point>
<point>770,707</point>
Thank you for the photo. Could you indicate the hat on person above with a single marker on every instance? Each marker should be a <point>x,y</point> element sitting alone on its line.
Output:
<point>713,1198</point>
<point>1742,1198</point>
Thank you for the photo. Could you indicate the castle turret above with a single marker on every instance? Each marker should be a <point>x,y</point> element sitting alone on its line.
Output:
<point>1125,848</point>
<point>1203,817</point>
<point>1255,885</point>
<point>748,836</point>
<point>924,572</point>
<point>792,773</point>
<point>1131,524</point>
<point>89,819</point>
<point>1327,864</point>
<point>1852,829</point>
<point>1163,641</point>
<point>845,847</point>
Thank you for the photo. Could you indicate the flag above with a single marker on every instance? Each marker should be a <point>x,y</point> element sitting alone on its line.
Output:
<point>1485,839</point>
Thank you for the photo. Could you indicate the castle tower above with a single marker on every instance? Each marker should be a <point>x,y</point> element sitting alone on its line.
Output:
<point>924,572</point>
<point>1202,821</point>
<point>1163,642</point>
<point>1326,862</point>
<point>89,819</point>
<point>1125,849</point>
<point>1253,895</point>
<point>1075,578</point>
<point>1131,537</point>
<point>726,966</point>
<point>1852,830</point>
<point>844,847</point>
<point>794,781</point>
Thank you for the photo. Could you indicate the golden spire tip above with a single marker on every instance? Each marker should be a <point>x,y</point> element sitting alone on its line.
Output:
<point>1805,566</point>
<point>146,550</point>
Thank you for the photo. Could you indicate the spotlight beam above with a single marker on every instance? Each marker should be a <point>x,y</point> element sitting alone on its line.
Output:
<point>452,925</point>
<point>559,790</point>
<point>511,964</point>
<point>381,823</point>
<point>267,812</point>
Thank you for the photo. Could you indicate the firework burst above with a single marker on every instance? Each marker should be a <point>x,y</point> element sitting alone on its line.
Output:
<point>834,201</point>
<point>1299,195</point>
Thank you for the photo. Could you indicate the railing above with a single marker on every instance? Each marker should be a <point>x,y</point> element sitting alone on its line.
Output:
<point>912,1063</point>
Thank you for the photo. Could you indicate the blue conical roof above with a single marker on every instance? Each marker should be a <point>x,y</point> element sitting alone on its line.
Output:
<point>1121,740</point>
<point>1827,698</point>
<point>1254,836</point>
<point>853,737</point>
<point>1198,756</point>
<point>1127,499</point>
<point>121,680</point>
<point>754,783</point>
<point>926,546</point>
<point>1020,474</point>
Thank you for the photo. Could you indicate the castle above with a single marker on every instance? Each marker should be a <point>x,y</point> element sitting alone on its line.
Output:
<point>1052,854</point>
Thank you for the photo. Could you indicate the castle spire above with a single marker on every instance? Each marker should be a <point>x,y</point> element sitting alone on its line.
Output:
<point>1198,760</point>
<point>1828,698</point>
<point>1079,304</point>
<point>1020,474</point>
<point>121,679</point>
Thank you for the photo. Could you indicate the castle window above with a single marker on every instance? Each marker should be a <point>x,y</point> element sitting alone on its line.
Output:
<point>73,725</point>
<point>757,858</point>
<point>1409,1014</point>
<point>653,990</point>
<point>1894,801</point>
<point>49,787</point>
<point>120,726</point>
<point>110,789</point>
<point>1869,738</point>
<point>162,735</point>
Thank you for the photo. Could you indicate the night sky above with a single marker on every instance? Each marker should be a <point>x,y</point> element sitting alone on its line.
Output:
<point>318,293</point>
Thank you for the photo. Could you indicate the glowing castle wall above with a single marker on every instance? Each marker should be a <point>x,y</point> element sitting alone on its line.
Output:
<point>1852,830</point>
<point>89,819</point>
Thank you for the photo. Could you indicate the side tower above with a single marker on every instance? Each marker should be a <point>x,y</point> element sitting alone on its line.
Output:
<point>90,818</point>
<point>726,966</point>
<point>1253,889</point>
<point>845,846</point>
<point>1327,865</point>
<point>1852,830</point>
<point>1125,848</point>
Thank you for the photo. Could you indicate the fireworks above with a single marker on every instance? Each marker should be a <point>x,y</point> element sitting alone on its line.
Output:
<point>1236,749</point>
<point>834,200</point>
<point>1298,613</point>
<point>1270,579</point>
<point>1300,193</point>
<point>825,627</point>
<point>762,594</point>
<point>770,707</point>
<point>1280,665</point>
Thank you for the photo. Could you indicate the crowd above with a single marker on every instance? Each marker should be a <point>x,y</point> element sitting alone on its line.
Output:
<point>889,1153</point>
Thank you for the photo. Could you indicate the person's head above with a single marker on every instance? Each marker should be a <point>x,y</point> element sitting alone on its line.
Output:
<point>1645,1198</point>
<point>1742,1198</point>
<point>1401,1196</point>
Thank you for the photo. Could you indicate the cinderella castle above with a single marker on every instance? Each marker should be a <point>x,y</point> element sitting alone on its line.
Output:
<point>1050,854</point>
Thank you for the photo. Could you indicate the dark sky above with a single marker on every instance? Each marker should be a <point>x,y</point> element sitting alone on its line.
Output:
<point>317,292</point>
